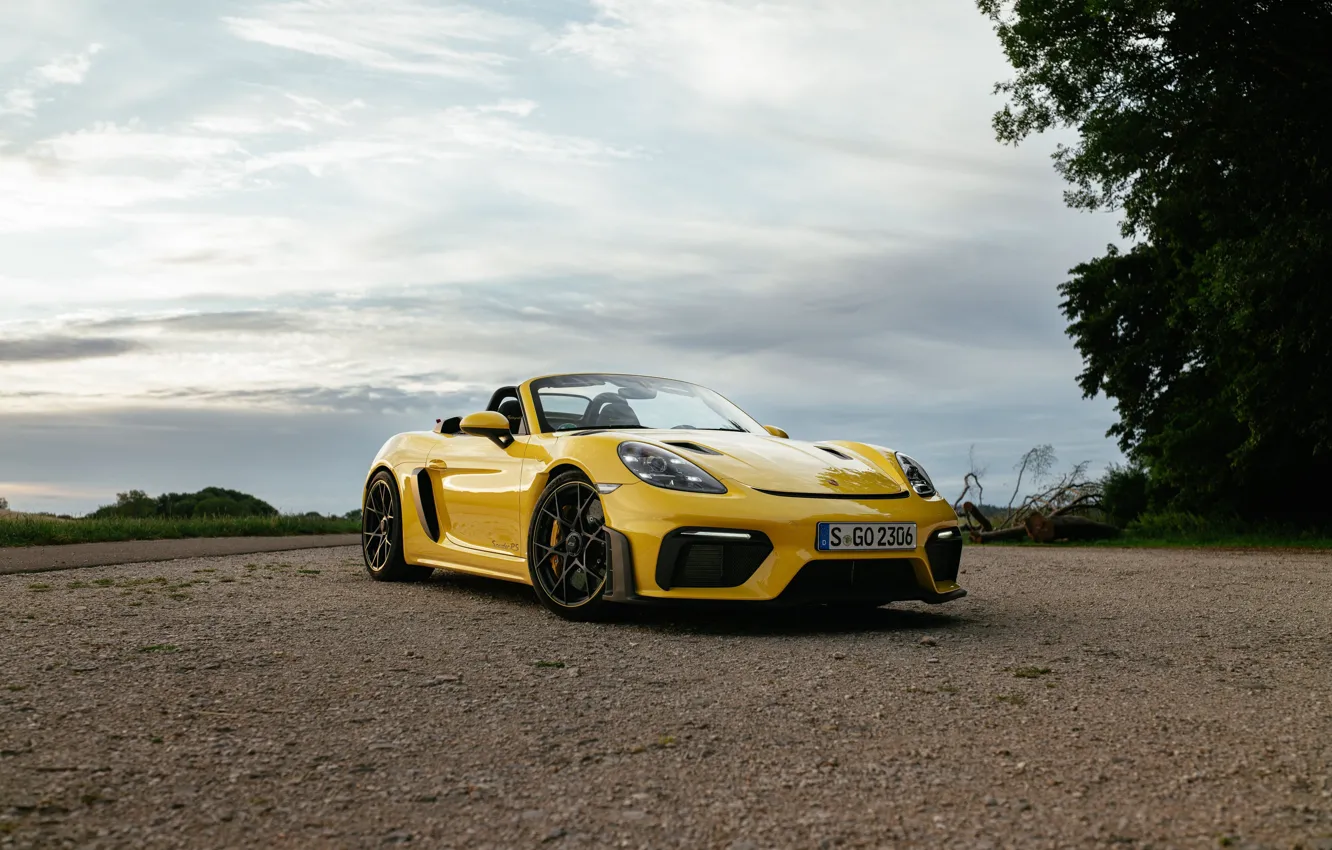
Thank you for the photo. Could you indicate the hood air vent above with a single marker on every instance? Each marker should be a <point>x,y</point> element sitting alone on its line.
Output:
<point>692,447</point>
<point>835,453</point>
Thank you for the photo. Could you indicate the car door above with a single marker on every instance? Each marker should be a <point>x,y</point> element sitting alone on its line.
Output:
<point>477,483</point>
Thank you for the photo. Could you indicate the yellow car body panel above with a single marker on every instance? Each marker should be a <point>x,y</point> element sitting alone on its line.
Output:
<point>467,501</point>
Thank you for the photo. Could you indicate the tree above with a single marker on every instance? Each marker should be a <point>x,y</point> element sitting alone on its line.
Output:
<point>1208,125</point>
<point>135,503</point>
<point>4,504</point>
<point>210,501</point>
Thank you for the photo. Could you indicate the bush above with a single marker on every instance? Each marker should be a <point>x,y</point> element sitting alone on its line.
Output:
<point>135,503</point>
<point>210,501</point>
<point>1169,524</point>
<point>1125,493</point>
<point>218,506</point>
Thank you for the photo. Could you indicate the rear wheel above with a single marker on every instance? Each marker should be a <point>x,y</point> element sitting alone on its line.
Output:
<point>381,533</point>
<point>568,552</point>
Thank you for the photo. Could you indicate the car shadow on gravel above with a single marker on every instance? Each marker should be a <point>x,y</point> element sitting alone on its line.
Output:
<point>767,621</point>
<point>720,618</point>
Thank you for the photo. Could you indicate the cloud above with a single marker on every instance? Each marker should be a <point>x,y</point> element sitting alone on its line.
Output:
<point>243,321</point>
<point>67,70</point>
<point>257,114</point>
<point>109,143</point>
<point>51,349</point>
<point>76,179</point>
<point>444,136</point>
<point>344,399</point>
<point>400,36</point>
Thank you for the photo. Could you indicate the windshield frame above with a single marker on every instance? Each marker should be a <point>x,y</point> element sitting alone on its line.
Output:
<point>748,424</point>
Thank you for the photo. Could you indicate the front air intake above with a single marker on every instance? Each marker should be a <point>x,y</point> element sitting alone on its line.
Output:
<point>710,557</point>
<point>944,553</point>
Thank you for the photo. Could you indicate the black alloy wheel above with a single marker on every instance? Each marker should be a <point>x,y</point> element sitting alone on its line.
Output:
<point>381,533</point>
<point>568,548</point>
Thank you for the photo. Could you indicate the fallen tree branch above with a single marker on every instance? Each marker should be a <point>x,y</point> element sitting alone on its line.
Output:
<point>1086,500</point>
<point>1015,533</point>
<point>1043,529</point>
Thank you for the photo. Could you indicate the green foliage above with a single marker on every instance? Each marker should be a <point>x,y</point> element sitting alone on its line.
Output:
<point>1209,125</point>
<point>31,530</point>
<point>1125,493</point>
<point>135,503</point>
<point>1177,524</point>
<point>208,502</point>
<point>1181,528</point>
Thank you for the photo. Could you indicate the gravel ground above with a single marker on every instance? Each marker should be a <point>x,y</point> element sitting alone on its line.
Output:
<point>1078,697</point>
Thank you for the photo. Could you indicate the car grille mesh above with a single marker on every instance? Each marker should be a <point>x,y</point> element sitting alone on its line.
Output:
<point>690,558</point>
<point>862,579</point>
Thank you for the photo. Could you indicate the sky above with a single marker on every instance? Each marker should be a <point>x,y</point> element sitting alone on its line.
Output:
<point>244,242</point>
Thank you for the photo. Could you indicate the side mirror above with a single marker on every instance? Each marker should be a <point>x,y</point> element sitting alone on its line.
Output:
<point>489,424</point>
<point>777,432</point>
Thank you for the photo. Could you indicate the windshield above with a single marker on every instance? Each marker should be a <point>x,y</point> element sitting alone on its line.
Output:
<point>574,402</point>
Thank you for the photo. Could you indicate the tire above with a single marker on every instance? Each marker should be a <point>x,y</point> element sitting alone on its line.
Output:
<point>381,533</point>
<point>568,552</point>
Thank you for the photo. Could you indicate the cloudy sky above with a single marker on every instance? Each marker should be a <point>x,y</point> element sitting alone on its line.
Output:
<point>242,242</point>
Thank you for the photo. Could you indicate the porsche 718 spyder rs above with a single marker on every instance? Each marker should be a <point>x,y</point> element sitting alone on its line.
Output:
<point>597,489</point>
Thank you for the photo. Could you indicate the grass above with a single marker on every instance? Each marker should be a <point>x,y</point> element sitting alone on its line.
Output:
<point>1186,531</point>
<point>1221,539</point>
<point>29,530</point>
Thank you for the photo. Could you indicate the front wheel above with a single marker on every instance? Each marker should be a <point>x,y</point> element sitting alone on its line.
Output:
<point>381,533</point>
<point>568,552</point>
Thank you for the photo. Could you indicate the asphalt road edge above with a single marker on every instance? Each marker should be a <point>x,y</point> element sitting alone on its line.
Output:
<point>73,556</point>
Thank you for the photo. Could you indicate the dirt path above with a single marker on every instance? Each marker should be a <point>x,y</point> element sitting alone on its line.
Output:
<point>33,559</point>
<point>1078,698</point>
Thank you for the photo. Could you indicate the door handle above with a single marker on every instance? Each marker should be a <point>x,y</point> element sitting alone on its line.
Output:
<point>436,463</point>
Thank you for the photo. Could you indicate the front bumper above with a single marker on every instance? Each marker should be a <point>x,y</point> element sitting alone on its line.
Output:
<point>640,517</point>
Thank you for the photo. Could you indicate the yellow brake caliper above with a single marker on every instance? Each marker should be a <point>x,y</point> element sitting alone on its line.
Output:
<point>554,544</point>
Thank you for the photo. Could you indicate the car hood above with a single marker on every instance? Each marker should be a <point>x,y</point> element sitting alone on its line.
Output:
<point>780,465</point>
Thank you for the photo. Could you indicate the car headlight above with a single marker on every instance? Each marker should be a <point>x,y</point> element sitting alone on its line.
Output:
<point>662,468</point>
<point>917,477</point>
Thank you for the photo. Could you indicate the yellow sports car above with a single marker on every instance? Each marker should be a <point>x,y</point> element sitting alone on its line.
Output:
<point>597,489</point>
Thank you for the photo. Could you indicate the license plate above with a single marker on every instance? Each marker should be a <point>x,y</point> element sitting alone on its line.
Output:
<point>866,536</point>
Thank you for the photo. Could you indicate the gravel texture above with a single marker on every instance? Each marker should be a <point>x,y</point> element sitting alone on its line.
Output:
<point>1078,698</point>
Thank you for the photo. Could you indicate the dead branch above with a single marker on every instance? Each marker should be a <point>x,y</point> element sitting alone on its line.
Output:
<point>1037,461</point>
<point>970,480</point>
<point>1086,500</point>
<point>970,510</point>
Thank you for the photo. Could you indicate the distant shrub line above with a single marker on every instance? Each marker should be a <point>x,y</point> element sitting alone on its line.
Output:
<point>211,512</point>
<point>37,530</point>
